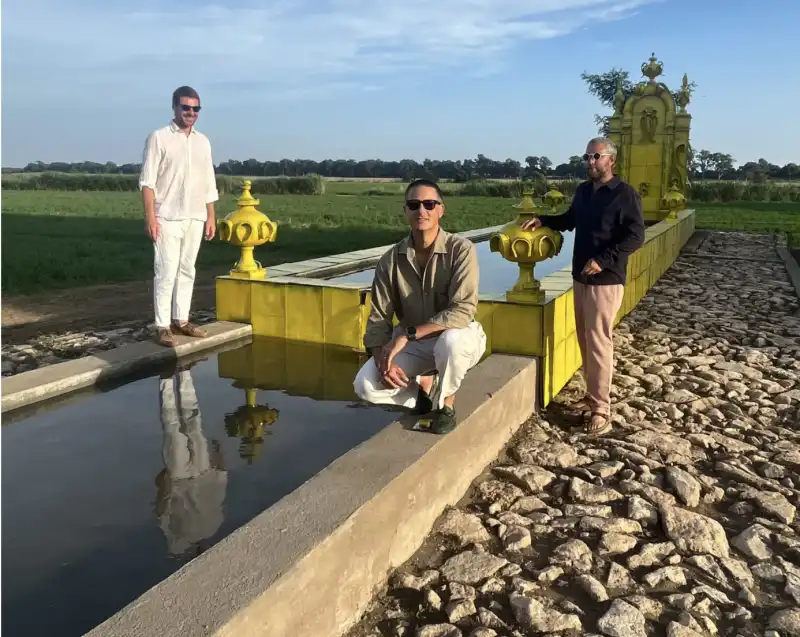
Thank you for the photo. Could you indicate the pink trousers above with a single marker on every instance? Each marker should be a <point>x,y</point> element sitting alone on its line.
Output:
<point>596,307</point>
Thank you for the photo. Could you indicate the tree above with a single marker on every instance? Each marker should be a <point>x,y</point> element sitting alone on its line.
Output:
<point>531,165</point>
<point>721,164</point>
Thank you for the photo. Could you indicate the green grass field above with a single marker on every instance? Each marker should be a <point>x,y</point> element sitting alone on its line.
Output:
<point>57,239</point>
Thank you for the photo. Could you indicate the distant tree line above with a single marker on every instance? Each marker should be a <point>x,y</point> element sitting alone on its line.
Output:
<point>703,164</point>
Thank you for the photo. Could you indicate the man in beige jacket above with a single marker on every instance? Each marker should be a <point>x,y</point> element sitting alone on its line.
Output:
<point>429,281</point>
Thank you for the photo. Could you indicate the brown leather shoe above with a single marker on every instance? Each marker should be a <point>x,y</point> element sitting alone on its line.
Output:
<point>164,337</point>
<point>188,329</point>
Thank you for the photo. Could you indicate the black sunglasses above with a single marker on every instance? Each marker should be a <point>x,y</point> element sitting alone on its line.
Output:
<point>185,108</point>
<point>429,204</point>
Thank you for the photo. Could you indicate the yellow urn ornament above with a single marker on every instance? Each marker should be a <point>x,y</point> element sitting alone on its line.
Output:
<point>673,201</point>
<point>526,248</point>
<point>247,227</point>
<point>554,197</point>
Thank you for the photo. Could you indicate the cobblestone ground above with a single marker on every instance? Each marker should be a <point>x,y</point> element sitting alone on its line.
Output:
<point>681,522</point>
<point>49,349</point>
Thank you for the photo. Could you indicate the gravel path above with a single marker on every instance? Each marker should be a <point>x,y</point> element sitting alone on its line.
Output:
<point>681,522</point>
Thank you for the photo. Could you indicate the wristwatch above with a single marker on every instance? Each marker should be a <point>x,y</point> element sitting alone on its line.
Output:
<point>411,333</point>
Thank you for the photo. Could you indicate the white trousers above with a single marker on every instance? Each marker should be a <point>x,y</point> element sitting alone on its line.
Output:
<point>451,354</point>
<point>175,254</point>
<point>195,495</point>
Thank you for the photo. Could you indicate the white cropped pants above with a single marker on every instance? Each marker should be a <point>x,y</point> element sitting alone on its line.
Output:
<point>452,353</point>
<point>175,255</point>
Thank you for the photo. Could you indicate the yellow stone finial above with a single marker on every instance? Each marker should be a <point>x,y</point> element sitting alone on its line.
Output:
<point>247,228</point>
<point>684,94</point>
<point>526,248</point>
<point>653,68</point>
<point>619,98</point>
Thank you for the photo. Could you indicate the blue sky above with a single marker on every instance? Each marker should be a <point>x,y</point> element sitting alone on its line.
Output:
<point>388,79</point>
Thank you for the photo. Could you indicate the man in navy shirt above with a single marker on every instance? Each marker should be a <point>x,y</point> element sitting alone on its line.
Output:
<point>606,214</point>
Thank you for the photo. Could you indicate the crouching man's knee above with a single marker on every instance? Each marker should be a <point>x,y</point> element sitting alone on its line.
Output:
<point>461,343</point>
<point>367,381</point>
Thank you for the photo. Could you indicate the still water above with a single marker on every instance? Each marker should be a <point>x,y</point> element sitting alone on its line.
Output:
<point>106,496</point>
<point>496,274</point>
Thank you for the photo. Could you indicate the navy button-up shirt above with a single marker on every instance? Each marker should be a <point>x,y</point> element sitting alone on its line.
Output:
<point>609,226</point>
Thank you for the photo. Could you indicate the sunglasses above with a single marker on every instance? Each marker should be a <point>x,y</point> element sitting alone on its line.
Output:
<point>429,204</point>
<point>595,156</point>
<point>186,108</point>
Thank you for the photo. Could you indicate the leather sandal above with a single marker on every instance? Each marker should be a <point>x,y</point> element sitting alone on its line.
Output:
<point>598,424</point>
<point>188,329</point>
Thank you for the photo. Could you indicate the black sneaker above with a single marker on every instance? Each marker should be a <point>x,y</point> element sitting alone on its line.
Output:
<point>445,421</point>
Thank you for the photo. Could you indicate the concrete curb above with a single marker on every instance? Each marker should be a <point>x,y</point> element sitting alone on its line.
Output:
<point>792,268</point>
<point>695,241</point>
<point>310,564</point>
<point>49,382</point>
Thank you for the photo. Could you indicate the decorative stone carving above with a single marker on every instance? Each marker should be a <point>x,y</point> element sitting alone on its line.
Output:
<point>649,122</point>
<point>651,131</point>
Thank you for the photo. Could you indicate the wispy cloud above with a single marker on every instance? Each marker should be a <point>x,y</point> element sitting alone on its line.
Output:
<point>290,48</point>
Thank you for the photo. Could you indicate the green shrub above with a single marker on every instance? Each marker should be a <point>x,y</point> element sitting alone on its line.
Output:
<point>307,185</point>
<point>727,191</point>
<point>479,188</point>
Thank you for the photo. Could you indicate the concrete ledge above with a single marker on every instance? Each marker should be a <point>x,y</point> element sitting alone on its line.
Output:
<point>792,268</point>
<point>310,564</point>
<point>49,382</point>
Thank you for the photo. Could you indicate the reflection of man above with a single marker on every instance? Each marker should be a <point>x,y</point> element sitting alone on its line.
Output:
<point>191,488</point>
<point>429,281</point>
<point>606,214</point>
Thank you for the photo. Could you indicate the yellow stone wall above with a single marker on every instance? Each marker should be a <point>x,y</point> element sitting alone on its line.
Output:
<point>306,313</point>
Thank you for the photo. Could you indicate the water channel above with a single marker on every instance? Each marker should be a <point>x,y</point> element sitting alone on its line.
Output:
<point>109,494</point>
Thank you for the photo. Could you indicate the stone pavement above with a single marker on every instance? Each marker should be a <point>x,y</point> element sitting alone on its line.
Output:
<point>683,521</point>
<point>49,349</point>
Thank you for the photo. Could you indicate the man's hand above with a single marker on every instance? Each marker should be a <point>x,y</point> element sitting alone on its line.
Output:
<point>389,351</point>
<point>531,224</point>
<point>152,228</point>
<point>395,378</point>
<point>211,229</point>
<point>591,268</point>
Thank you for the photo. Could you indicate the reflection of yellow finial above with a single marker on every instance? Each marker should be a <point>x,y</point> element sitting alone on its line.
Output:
<point>246,228</point>
<point>248,423</point>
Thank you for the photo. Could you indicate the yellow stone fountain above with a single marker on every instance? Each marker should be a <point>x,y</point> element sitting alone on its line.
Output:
<point>247,227</point>
<point>526,248</point>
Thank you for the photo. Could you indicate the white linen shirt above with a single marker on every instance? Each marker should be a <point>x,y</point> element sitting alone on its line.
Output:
<point>179,169</point>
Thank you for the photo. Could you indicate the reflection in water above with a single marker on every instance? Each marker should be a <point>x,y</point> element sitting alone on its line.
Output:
<point>248,422</point>
<point>191,487</point>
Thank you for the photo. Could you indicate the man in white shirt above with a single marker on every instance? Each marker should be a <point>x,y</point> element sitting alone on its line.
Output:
<point>178,190</point>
